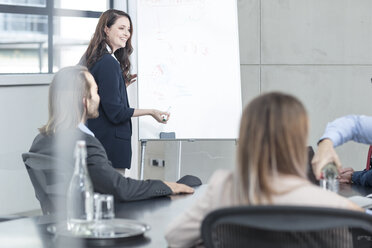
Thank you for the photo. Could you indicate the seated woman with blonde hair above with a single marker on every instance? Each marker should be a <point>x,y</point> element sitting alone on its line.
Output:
<point>271,169</point>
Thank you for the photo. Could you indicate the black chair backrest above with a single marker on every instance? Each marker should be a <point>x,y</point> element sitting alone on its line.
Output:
<point>49,178</point>
<point>286,226</point>
<point>310,173</point>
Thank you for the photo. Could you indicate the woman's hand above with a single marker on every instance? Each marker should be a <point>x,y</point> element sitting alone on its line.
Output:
<point>160,116</point>
<point>132,78</point>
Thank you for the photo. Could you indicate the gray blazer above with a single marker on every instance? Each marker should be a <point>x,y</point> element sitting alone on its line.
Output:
<point>105,178</point>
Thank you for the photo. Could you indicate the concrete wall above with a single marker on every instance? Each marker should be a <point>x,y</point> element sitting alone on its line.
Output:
<point>23,110</point>
<point>318,50</point>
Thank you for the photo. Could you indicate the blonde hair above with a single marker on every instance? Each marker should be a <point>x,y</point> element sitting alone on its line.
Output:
<point>272,141</point>
<point>65,103</point>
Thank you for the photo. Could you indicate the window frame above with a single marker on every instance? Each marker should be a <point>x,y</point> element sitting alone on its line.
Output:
<point>50,12</point>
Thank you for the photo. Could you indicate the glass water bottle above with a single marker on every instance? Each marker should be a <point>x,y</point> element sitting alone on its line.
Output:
<point>330,177</point>
<point>80,194</point>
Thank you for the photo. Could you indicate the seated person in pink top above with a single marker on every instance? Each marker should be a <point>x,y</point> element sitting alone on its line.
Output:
<point>271,169</point>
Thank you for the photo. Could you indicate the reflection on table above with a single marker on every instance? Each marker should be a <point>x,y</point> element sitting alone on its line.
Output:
<point>348,190</point>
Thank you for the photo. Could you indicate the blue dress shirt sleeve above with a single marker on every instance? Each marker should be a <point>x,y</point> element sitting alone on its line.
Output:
<point>352,127</point>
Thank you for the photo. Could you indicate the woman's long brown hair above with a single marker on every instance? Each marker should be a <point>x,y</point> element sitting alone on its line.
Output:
<point>97,45</point>
<point>272,141</point>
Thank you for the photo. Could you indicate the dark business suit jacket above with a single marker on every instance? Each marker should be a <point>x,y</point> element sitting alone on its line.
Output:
<point>105,178</point>
<point>113,127</point>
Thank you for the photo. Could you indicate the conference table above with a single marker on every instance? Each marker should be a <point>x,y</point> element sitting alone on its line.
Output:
<point>157,213</point>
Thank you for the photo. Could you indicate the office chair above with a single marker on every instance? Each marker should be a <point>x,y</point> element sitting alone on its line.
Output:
<point>49,178</point>
<point>286,226</point>
<point>309,172</point>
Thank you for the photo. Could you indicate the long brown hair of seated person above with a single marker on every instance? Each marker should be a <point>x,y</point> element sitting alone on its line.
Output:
<point>272,142</point>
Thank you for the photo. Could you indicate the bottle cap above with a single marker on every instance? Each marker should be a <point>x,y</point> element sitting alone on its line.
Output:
<point>80,148</point>
<point>330,171</point>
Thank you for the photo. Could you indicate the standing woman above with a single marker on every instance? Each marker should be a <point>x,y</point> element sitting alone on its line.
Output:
<point>107,58</point>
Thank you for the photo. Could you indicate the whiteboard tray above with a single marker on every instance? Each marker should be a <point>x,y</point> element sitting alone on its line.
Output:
<point>106,229</point>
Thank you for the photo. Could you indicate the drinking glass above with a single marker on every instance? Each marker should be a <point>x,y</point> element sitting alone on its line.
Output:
<point>103,207</point>
<point>103,214</point>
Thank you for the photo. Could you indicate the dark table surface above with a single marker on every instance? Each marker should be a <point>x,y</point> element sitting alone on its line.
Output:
<point>348,190</point>
<point>157,213</point>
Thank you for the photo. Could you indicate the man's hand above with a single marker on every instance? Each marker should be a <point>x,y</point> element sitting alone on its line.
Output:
<point>324,155</point>
<point>345,175</point>
<point>178,188</point>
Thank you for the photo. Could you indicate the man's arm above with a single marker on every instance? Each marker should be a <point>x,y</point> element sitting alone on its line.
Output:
<point>348,175</point>
<point>339,131</point>
<point>352,127</point>
<point>362,178</point>
<point>107,180</point>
